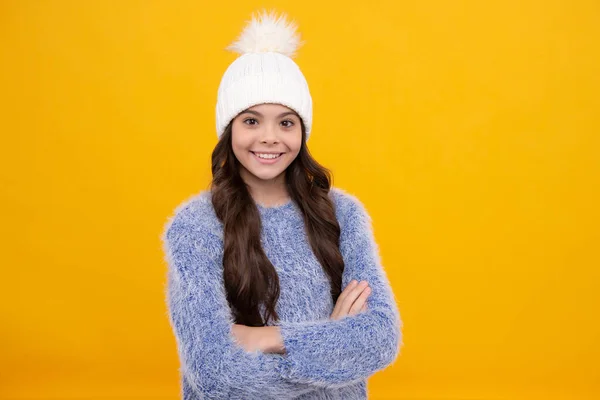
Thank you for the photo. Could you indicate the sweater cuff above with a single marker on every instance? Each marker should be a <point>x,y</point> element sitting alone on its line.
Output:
<point>288,365</point>
<point>314,354</point>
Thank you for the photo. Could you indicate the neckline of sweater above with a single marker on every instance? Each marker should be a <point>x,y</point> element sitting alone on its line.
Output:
<point>263,210</point>
<point>273,209</point>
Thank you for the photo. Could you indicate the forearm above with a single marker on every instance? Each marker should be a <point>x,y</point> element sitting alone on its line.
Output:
<point>333,353</point>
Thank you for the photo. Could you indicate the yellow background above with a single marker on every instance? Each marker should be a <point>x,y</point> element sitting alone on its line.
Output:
<point>469,129</point>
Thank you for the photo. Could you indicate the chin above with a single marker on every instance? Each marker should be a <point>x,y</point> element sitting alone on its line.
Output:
<point>266,176</point>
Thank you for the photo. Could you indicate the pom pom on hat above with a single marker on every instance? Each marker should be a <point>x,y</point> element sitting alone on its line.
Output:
<point>268,33</point>
<point>264,72</point>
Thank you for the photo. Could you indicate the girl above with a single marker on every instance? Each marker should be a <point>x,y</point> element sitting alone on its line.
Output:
<point>274,288</point>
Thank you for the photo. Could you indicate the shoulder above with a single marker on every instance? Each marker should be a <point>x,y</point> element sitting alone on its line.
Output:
<point>193,216</point>
<point>348,207</point>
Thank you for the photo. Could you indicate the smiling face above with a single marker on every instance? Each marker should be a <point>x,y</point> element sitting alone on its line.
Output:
<point>266,138</point>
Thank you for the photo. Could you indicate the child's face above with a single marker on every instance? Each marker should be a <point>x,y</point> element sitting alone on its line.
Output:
<point>266,128</point>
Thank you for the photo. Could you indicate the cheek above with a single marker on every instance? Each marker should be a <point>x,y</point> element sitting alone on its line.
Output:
<point>296,145</point>
<point>240,142</point>
<point>293,140</point>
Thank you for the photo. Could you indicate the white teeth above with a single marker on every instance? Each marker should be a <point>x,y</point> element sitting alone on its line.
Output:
<point>268,156</point>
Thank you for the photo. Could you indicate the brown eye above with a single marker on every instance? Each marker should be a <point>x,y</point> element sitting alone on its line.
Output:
<point>249,119</point>
<point>290,123</point>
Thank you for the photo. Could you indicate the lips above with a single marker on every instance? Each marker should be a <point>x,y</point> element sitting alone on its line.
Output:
<point>267,160</point>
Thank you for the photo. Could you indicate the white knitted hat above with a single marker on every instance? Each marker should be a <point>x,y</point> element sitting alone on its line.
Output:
<point>265,72</point>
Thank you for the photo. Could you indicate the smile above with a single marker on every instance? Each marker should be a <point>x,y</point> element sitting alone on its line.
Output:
<point>267,158</point>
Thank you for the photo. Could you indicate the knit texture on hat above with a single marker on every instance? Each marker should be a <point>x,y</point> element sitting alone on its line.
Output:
<point>264,72</point>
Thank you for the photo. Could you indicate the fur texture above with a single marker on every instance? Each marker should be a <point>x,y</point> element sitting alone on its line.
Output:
<point>268,32</point>
<point>324,359</point>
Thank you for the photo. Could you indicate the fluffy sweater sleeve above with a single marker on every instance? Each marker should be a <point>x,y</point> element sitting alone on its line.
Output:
<point>213,364</point>
<point>334,353</point>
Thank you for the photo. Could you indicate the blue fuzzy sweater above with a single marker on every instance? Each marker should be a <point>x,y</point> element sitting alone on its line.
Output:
<point>325,359</point>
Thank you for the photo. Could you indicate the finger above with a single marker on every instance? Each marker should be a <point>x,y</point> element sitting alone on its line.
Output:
<point>341,297</point>
<point>352,296</point>
<point>360,301</point>
<point>351,285</point>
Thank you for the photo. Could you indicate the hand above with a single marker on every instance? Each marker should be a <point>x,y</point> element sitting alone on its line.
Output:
<point>262,338</point>
<point>352,300</point>
<point>245,337</point>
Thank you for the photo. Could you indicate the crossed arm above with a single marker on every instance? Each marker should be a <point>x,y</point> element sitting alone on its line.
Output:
<point>268,339</point>
<point>290,358</point>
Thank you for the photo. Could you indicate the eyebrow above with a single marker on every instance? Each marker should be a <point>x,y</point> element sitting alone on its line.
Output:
<point>279,116</point>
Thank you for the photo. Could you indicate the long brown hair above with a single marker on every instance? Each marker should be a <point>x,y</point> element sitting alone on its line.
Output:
<point>250,278</point>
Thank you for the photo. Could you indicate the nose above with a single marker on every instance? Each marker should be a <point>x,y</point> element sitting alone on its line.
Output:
<point>268,134</point>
